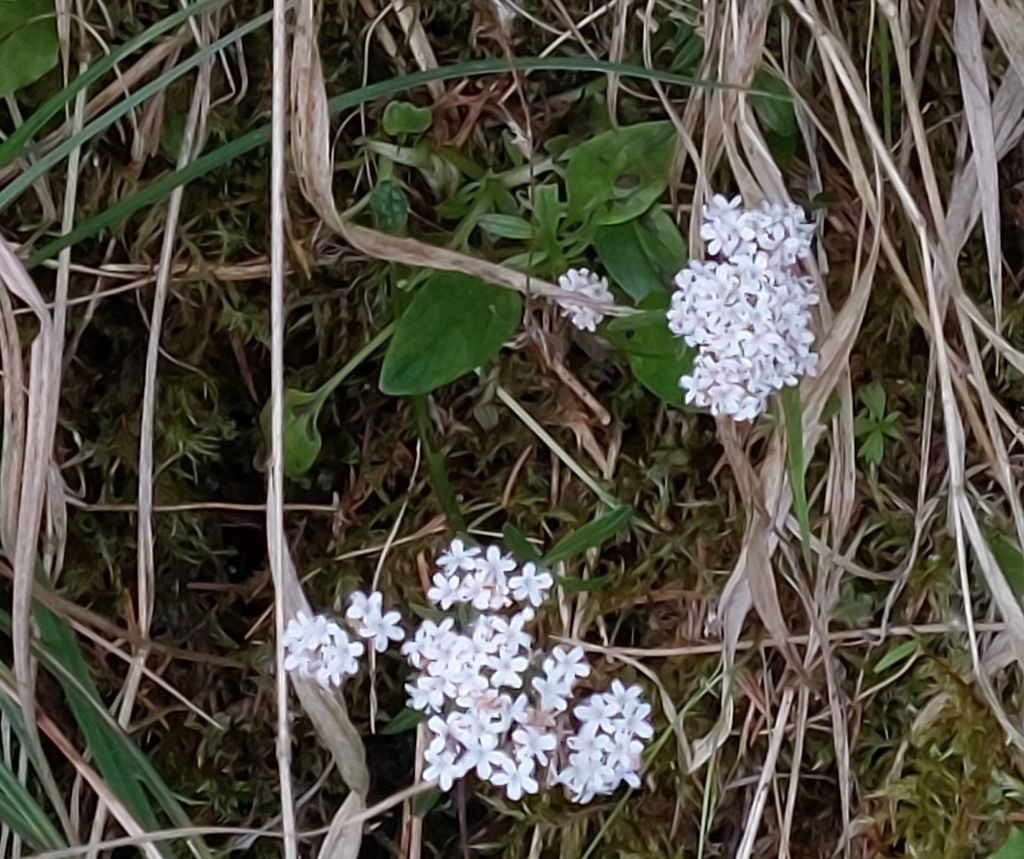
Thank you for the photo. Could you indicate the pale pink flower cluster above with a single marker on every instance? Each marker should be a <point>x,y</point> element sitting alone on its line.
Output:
<point>583,281</point>
<point>747,309</point>
<point>318,648</point>
<point>500,708</point>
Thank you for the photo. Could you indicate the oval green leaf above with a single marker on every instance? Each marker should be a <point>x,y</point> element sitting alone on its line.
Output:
<point>302,441</point>
<point>452,326</point>
<point>619,174</point>
<point>401,117</point>
<point>28,42</point>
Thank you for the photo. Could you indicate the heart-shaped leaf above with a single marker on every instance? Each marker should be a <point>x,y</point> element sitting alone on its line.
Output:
<point>302,441</point>
<point>619,174</point>
<point>453,324</point>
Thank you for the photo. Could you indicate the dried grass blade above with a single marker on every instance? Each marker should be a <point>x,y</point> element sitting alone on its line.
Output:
<point>978,111</point>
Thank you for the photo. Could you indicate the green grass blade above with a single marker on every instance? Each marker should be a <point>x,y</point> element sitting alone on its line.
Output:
<point>590,535</point>
<point>16,187</point>
<point>21,138</point>
<point>157,190</point>
<point>796,468</point>
<point>20,811</point>
<point>435,466</point>
<point>123,766</point>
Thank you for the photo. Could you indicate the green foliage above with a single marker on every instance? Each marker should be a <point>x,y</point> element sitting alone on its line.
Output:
<point>1013,847</point>
<point>641,256</point>
<point>302,441</point>
<point>389,206</point>
<point>453,324</point>
<point>590,535</point>
<point>796,466</point>
<point>657,358</point>
<point>873,425</point>
<point>402,118</point>
<point>616,176</point>
<point>28,42</point>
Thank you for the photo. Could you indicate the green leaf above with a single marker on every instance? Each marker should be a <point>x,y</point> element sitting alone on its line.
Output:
<point>516,540</point>
<point>406,720</point>
<point>620,252</point>
<point>662,243</point>
<point>873,396</point>
<point>1013,847</point>
<point>619,174</point>
<point>28,42</point>
<point>773,104</point>
<point>426,801</point>
<point>20,811</point>
<point>590,535</point>
<point>657,358</point>
<point>873,448</point>
<point>796,468</point>
<point>389,206</point>
<point>900,653</point>
<point>506,226</point>
<point>401,117</point>
<point>1011,562</point>
<point>576,585</point>
<point>302,441</point>
<point>453,324</point>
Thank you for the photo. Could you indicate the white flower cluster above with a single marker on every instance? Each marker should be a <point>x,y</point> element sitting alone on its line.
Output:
<point>747,310</point>
<point>499,707</point>
<point>320,649</point>
<point>582,281</point>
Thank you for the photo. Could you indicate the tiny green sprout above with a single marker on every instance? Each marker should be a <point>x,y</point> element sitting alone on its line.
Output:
<point>873,425</point>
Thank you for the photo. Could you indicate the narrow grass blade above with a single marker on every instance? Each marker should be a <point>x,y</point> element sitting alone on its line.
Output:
<point>590,535</point>
<point>158,189</point>
<point>15,145</point>
<point>20,811</point>
<point>796,468</point>
<point>17,186</point>
<point>125,768</point>
<point>435,466</point>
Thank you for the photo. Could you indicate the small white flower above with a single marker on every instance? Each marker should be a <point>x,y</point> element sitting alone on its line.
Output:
<point>484,756</point>
<point>442,768</point>
<point>427,693</point>
<point>445,591</point>
<point>531,585</point>
<point>534,743</point>
<point>457,557</point>
<point>370,621</point>
<point>508,668</point>
<point>582,281</point>
<point>553,693</point>
<point>600,711</point>
<point>516,778</point>
<point>566,665</point>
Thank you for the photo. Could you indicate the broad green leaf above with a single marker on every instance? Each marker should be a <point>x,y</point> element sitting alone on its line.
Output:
<point>620,252</point>
<point>453,324</point>
<point>662,243</point>
<point>619,174</point>
<point>389,207</point>
<point>401,117</point>
<point>642,255</point>
<point>900,653</point>
<point>302,441</point>
<point>590,535</point>
<point>506,226</point>
<point>657,358</point>
<point>28,42</point>
<point>406,720</point>
<point>773,104</point>
<point>1013,847</point>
